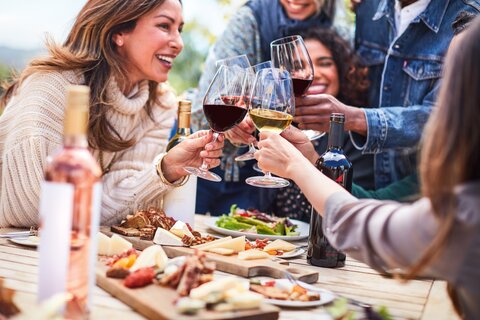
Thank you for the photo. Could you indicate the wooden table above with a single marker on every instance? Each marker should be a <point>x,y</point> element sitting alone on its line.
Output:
<point>417,299</point>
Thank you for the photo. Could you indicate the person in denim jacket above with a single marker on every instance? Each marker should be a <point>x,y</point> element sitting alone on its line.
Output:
<point>404,70</point>
<point>249,31</point>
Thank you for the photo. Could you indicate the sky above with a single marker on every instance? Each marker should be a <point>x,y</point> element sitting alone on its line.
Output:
<point>23,23</point>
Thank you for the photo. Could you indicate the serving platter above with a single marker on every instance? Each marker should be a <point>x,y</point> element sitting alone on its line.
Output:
<point>326,296</point>
<point>232,264</point>
<point>157,302</point>
<point>303,228</point>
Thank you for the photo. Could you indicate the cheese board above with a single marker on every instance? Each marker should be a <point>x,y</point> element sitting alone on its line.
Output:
<point>232,264</point>
<point>157,302</point>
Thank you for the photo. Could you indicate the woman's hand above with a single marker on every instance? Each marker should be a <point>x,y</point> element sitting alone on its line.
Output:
<point>300,141</point>
<point>279,156</point>
<point>313,112</point>
<point>190,153</point>
<point>242,133</point>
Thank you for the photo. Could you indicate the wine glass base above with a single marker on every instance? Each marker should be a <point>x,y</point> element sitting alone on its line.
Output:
<point>313,134</point>
<point>267,182</point>
<point>204,174</point>
<point>246,156</point>
<point>257,168</point>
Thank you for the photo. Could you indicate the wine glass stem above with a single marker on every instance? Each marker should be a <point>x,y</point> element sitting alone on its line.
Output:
<point>204,165</point>
<point>267,174</point>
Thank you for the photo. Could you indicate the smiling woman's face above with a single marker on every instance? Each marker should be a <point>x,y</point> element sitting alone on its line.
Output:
<point>326,78</point>
<point>300,9</point>
<point>150,48</point>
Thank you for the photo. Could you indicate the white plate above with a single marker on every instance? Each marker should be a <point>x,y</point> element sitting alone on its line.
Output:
<point>325,296</point>
<point>303,228</point>
<point>292,254</point>
<point>25,241</point>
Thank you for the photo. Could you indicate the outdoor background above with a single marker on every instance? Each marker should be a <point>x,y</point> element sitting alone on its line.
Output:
<point>24,24</point>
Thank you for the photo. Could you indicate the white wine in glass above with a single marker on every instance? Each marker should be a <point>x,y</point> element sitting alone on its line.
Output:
<point>272,106</point>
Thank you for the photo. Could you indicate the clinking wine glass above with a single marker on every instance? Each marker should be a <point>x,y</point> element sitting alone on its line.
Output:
<point>291,54</point>
<point>224,107</point>
<point>272,106</point>
<point>238,61</point>
<point>249,80</point>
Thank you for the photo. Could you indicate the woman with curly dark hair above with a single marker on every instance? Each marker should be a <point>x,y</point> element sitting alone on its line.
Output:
<point>338,72</point>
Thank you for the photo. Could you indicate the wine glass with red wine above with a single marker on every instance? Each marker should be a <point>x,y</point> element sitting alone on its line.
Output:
<point>291,54</point>
<point>224,107</point>
<point>272,106</point>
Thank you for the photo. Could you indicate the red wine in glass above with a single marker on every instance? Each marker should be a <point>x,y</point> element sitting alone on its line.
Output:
<point>300,86</point>
<point>223,117</point>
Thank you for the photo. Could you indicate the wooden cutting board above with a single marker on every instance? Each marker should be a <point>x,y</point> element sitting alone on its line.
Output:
<point>231,264</point>
<point>157,302</point>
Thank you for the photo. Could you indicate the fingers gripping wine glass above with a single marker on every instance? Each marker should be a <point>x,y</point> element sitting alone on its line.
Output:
<point>249,80</point>
<point>291,54</point>
<point>272,106</point>
<point>224,108</point>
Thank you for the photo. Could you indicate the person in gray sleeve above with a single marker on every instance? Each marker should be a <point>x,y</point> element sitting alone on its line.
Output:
<point>437,236</point>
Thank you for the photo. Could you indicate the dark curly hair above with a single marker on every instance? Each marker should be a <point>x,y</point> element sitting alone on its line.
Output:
<point>353,76</point>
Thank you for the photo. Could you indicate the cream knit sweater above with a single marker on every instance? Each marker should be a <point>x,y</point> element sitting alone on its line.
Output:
<point>31,128</point>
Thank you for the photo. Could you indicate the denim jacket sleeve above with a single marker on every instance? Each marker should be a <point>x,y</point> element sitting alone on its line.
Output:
<point>241,36</point>
<point>395,127</point>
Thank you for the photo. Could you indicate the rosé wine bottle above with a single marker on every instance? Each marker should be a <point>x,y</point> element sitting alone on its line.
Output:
<point>70,212</point>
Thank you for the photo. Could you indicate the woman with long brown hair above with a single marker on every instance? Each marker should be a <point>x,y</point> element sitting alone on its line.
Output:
<point>122,50</point>
<point>437,236</point>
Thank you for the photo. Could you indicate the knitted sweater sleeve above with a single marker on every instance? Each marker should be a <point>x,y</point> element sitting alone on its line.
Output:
<point>31,129</point>
<point>133,182</point>
<point>241,36</point>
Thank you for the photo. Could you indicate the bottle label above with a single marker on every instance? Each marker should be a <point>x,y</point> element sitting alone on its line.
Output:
<point>94,229</point>
<point>179,203</point>
<point>56,206</point>
<point>56,211</point>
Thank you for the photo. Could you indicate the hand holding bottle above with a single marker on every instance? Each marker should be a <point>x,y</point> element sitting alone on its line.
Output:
<point>191,152</point>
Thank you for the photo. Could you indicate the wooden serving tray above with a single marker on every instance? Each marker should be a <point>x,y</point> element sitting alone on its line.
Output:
<point>157,302</point>
<point>231,264</point>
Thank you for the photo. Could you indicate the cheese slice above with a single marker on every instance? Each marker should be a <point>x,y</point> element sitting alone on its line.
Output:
<point>222,251</point>
<point>280,245</point>
<point>180,229</point>
<point>236,244</point>
<point>118,245</point>
<point>153,256</point>
<point>221,285</point>
<point>167,238</point>
<point>204,246</point>
<point>103,244</point>
<point>253,254</point>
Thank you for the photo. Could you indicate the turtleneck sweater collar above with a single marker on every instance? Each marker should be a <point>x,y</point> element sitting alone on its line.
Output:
<point>130,104</point>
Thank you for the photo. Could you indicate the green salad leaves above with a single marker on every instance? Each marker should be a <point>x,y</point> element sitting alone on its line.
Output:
<point>254,221</point>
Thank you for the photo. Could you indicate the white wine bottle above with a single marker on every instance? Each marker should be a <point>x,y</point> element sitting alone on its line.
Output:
<point>70,213</point>
<point>179,203</point>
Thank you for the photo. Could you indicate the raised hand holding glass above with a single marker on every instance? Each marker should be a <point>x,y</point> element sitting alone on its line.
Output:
<point>272,106</point>
<point>224,107</point>
<point>291,54</point>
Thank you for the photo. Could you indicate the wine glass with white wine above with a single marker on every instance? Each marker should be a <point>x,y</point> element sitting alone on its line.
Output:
<point>272,106</point>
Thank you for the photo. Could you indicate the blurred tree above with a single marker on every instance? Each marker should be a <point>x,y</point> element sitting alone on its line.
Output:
<point>5,74</point>
<point>197,39</point>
